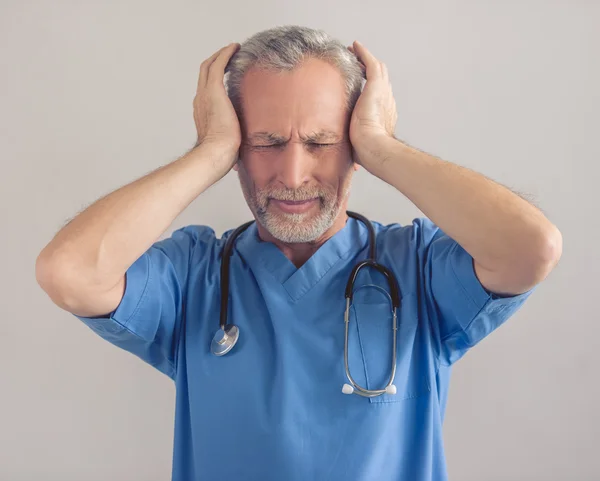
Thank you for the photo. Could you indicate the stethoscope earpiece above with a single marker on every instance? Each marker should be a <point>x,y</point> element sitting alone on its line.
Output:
<point>348,389</point>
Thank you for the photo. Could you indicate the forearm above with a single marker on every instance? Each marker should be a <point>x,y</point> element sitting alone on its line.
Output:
<point>498,228</point>
<point>97,247</point>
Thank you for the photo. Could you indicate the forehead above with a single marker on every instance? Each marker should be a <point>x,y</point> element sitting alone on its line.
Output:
<point>308,99</point>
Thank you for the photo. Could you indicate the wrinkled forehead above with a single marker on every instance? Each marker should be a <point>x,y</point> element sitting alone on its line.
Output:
<point>310,98</point>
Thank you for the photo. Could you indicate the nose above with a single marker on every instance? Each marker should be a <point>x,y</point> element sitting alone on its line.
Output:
<point>294,165</point>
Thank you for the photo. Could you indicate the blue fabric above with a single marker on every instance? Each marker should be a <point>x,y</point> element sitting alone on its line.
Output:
<point>273,408</point>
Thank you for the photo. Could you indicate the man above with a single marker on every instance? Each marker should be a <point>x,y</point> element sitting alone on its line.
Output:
<point>295,122</point>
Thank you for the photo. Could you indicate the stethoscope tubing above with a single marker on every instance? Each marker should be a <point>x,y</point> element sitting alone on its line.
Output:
<point>228,334</point>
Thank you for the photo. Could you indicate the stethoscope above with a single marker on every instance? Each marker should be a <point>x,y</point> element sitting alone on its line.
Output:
<point>228,334</point>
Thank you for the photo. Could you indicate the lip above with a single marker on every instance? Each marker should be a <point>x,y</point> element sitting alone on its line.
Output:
<point>294,207</point>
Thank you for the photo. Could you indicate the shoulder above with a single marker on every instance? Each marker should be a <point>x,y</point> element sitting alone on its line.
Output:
<point>416,235</point>
<point>192,241</point>
<point>404,248</point>
<point>195,233</point>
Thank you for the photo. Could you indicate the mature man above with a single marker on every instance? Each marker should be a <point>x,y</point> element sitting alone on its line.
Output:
<point>295,121</point>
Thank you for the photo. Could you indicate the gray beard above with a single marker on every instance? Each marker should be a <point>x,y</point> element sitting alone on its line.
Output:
<point>298,228</point>
<point>295,228</point>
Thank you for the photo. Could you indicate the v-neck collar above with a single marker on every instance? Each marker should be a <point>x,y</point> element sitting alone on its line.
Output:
<point>261,255</point>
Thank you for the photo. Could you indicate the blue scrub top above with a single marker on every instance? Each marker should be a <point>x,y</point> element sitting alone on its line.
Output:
<point>273,408</point>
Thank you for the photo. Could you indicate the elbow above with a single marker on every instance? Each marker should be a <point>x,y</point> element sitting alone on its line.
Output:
<point>546,254</point>
<point>59,277</point>
<point>551,248</point>
<point>50,276</point>
<point>44,273</point>
<point>529,264</point>
<point>75,289</point>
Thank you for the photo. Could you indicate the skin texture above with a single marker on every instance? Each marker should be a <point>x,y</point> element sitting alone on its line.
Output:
<point>296,146</point>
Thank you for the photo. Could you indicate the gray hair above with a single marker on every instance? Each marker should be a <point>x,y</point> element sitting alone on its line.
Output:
<point>285,48</point>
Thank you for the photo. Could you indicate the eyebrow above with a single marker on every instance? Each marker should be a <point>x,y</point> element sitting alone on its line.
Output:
<point>320,136</point>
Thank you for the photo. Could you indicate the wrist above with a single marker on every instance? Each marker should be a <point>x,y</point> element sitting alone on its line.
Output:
<point>376,150</point>
<point>218,147</point>
<point>216,159</point>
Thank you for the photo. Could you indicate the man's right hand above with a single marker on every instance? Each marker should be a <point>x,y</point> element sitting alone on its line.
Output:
<point>216,121</point>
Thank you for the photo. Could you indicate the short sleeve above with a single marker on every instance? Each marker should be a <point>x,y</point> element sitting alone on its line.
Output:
<point>148,320</point>
<point>462,311</point>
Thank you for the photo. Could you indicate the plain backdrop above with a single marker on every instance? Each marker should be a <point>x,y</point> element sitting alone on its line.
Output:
<point>96,94</point>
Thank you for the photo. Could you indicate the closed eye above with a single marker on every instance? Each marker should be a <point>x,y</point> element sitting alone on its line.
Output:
<point>310,144</point>
<point>266,146</point>
<point>320,145</point>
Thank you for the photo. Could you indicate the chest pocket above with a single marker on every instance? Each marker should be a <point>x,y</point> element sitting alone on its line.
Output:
<point>373,318</point>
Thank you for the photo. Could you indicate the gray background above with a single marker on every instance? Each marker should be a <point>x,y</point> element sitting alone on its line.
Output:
<point>96,95</point>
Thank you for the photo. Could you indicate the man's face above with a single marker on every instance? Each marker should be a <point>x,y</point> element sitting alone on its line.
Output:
<point>295,164</point>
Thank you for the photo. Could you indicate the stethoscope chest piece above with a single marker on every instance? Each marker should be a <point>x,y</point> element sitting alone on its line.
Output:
<point>224,340</point>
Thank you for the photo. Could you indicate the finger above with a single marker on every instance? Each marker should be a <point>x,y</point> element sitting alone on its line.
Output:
<point>216,70</point>
<point>372,65</point>
<point>362,66</point>
<point>204,67</point>
<point>385,72</point>
<point>353,52</point>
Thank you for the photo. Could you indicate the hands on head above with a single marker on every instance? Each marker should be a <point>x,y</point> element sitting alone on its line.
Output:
<point>216,121</point>
<point>374,115</point>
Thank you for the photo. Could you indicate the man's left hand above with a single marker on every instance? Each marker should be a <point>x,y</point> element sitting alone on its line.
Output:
<point>374,117</point>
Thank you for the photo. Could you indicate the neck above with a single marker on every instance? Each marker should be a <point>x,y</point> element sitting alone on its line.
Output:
<point>299,253</point>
